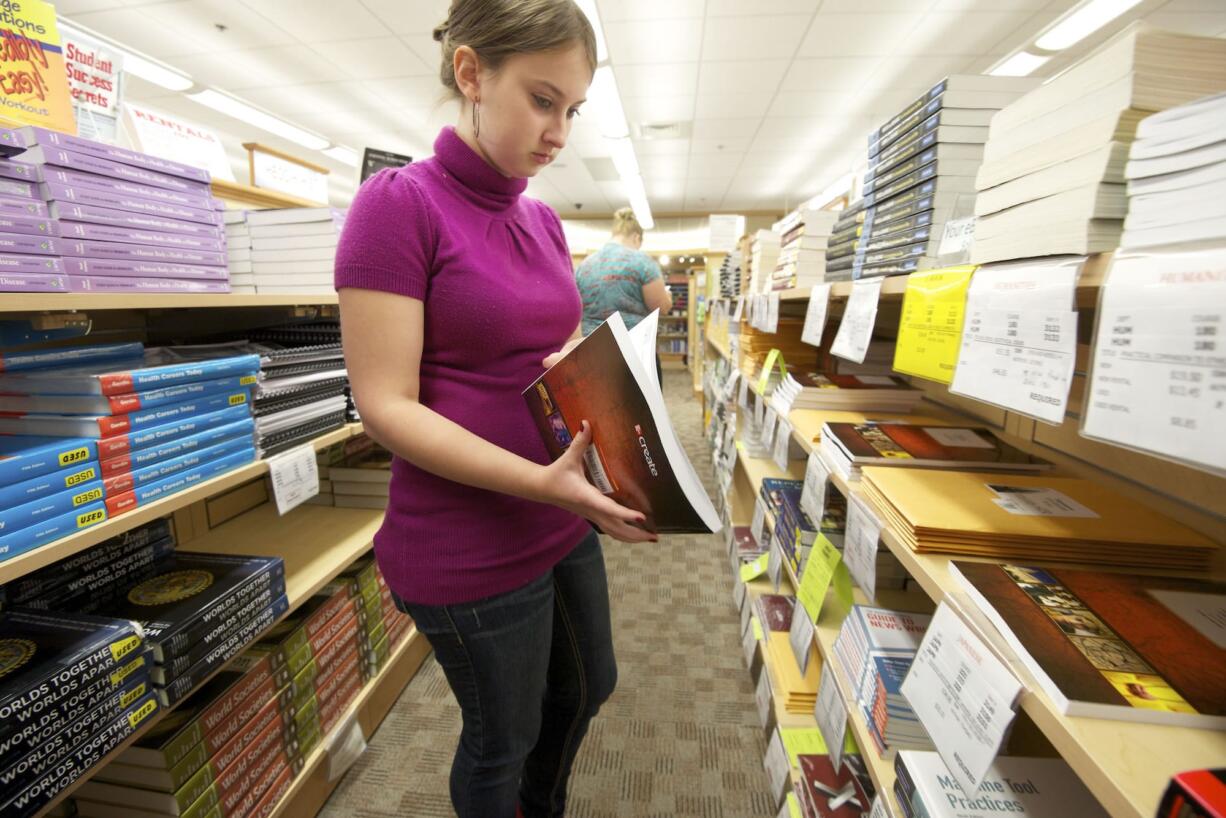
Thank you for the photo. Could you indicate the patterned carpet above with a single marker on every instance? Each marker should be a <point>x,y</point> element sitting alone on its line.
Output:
<point>679,739</point>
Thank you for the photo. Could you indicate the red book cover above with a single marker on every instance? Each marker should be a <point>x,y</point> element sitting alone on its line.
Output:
<point>832,794</point>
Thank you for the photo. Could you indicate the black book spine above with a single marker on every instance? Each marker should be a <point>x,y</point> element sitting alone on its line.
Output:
<point>174,692</point>
<point>912,179</point>
<point>914,116</point>
<point>200,648</point>
<point>180,637</point>
<point>921,137</point>
<point>904,204</point>
<point>903,801</point>
<point>93,591</point>
<point>30,766</point>
<point>903,777</point>
<point>83,758</point>
<point>918,234</point>
<point>900,170</point>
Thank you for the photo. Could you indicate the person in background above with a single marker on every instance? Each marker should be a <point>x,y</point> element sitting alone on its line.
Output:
<point>455,291</point>
<point>620,277</point>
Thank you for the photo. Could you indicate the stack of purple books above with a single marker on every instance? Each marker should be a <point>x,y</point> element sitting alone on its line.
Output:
<point>84,216</point>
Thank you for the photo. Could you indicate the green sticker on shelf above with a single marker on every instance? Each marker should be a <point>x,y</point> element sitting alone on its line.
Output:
<point>757,630</point>
<point>802,741</point>
<point>794,810</point>
<point>822,567</point>
<point>752,570</point>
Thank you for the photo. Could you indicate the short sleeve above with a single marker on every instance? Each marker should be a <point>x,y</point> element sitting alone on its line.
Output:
<point>649,271</point>
<point>388,240</point>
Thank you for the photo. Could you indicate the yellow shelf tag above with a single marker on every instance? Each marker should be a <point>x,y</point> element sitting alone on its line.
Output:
<point>772,357</point>
<point>930,329</point>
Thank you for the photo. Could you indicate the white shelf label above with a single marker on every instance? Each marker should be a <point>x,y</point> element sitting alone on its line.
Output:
<point>879,809</point>
<point>813,493</point>
<point>859,317</point>
<point>783,443</point>
<point>295,477</point>
<point>815,315</point>
<point>860,545</point>
<point>777,766</point>
<point>1019,337</point>
<point>762,695</point>
<point>345,746</point>
<point>774,565</point>
<point>963,696</point>
<point>740,309</point>
<point>742,395</point>
<point>771,324</point>
<point>958,236</point>
<point>1159,376</point>
<point>758,522</point>
<point>769,426</point>
<point>800,636</point>
<point>831,714</point>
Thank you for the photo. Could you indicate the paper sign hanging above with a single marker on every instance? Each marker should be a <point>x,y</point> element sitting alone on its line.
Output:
<point>930,329</point>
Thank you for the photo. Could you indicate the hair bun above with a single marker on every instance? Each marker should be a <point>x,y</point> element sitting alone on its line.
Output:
<point>440,31</point>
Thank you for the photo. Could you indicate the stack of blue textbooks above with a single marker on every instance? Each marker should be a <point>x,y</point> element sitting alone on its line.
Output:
<point>87,433</point>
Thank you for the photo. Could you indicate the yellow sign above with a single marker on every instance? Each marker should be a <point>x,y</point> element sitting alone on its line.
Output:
<point>752,570</point>
<point>765,378</point>
<point>930,330</point>
<point>757,630</point>
<point>808,741</point>
<point>33,77</point>
<point>823,563</point>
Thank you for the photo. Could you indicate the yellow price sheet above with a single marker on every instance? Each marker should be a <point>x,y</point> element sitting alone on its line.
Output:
<point>752,570</point>
<point>808,741</point>
<point>825,565</point>
<point>772,357</point>
<point>930,329</point>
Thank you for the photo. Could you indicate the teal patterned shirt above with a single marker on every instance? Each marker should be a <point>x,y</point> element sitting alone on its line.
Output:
<point>611,280</point>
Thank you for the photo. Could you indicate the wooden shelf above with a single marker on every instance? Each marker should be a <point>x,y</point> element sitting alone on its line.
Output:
<point>58,302</point>
<point>723,350</point>
<point>316,542</point>
<point>310,788</point>
<point>32,560</point>
<point>1127,766</point>
<point>250,196</point>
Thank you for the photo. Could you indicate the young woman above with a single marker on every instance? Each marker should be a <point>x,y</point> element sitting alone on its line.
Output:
<point>454,290</point>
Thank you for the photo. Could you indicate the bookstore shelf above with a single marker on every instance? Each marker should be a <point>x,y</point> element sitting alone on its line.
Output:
<point>310,789</point>
<point>783,718</point>
<point>59,302</point>
<point>1127,766</point>
<point>67,546</point>
<point>316,543</point>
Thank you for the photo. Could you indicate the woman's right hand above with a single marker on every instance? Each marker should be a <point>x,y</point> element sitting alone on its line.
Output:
<point>566,486</point>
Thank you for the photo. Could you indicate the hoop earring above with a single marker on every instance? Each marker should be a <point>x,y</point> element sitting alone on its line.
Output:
<point>476,119</point>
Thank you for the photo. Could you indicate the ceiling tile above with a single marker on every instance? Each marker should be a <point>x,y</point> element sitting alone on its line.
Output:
<point>659,109</point>
<point>752,37</point>
<point>408,16</point>
<point>732,106</point>
<point>199,21</point>
<point>714,165</point>
<point>724,128</point>
<point>318,21</point>
<point>840,74</point>
<point>619,10</point>
<point>962,32</point>
<point>858,35</point>
<point>257,68</point>
<point>670,80</point>
<point>376,58</point>
<point>811,103</point>
<point>137,30</point>
<point>700,146</point>
<point>740,77</point>
<point>661,147</point>
<point>664,41</point>
<point>663,167</point>
<point>726,8</point>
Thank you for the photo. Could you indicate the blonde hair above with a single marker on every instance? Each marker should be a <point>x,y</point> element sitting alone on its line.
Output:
<point>497,29</point>
<point>625,223</point>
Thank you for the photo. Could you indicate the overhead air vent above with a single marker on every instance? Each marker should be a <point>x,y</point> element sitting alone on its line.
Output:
<point>663,130</point>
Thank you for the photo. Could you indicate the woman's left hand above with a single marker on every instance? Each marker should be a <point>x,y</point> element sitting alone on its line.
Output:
<point>561,353</point>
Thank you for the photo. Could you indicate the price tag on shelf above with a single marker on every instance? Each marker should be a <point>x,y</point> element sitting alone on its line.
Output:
<point>800,637</point>
<point>1159,374</point>
<point>759,517</point>
<point>930,329</point>
<point>820,569</point>
<point>749,644</point>
<point>295,477</point>
<point>813,492</point>
<point>831,714</point>
<point>752,570</point>
<point>783,443</point>
<point>742,397</point>
<point>771,324</point>
<point>1019,339</point>
<point>778,768</point>
<point>746,616</point>
<point>859,317</point>
<point>879,809</point>
<point>774,565</point>
<point>344,746</point>
<point>963,696</point>
<point>730,384</point>
<point>860,545</point>
<point>958,237</point>
<point>739,591</point>
<point>759,409</point>
<point>769,426</point>
<point>740,309</point>
<point>762,695</point>
<point>815,315</point>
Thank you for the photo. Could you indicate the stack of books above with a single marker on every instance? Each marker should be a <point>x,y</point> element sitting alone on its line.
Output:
<point>794,530</point>
<point>197,611</point>
<point>747,548</point>
<point>74,689</point>
<point>922,165</point>
<point>129,425</point>
<point>730,275</point>
<point>1024,787</point>
<point>874,651</point>
<point>362,480</point>
<point>238,251</point>
<point>844,241</point>
<point>796,691</point>
<point>1106,644</point>
<point>763,259</point>
<point>293,250</point>
<point>1052,179</point>
<point>314,334</point>
<point>802,253</point>
<point>756,344</point>
<point>818,390</point>
<point>847,447</point>
<point>774,611</point>
<point>87,216</point>
<point>1010,516</point>
<point>1176,176</point>
<point>386,625</point>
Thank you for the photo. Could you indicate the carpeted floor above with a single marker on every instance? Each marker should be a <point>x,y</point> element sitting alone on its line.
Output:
<point>679,739</point>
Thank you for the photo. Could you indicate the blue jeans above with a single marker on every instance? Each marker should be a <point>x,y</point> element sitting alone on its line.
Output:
<point>529,668</point>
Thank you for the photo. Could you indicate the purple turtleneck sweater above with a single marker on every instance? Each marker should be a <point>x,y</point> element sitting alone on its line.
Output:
<point>494,273</point>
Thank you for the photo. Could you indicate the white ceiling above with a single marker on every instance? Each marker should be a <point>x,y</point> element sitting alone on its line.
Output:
<point>779,94</point>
